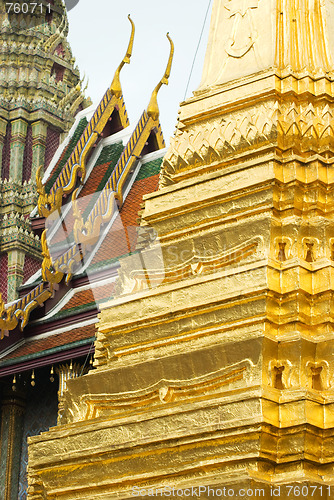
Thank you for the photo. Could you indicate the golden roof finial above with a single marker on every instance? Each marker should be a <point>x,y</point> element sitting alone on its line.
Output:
<point>153,108</point>
<point>115,87</point>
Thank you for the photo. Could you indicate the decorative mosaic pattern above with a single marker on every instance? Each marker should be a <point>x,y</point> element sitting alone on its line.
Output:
<point>3,275</point>
<point>41,414</point>
<point>27,157</point>
<point>60,50</point>
<point>6,153</point>
<point>31,266</point>
<point>52,143</point>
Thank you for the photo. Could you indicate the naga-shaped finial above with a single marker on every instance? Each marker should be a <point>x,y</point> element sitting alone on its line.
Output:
<point>115,86</point>
<point>42,200</point>
<point>49,273</point>
<point>153,108</point>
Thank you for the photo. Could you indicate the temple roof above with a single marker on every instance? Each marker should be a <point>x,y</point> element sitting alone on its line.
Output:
<point>66,321</point>
<point>87,215</point>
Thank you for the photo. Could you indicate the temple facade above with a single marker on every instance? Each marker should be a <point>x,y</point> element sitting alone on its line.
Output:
<point>211,322</point>
<point>40,94</point>
<point>62,161</point>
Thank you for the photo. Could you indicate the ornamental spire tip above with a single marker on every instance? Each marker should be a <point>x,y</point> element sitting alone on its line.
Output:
<point>153,108</point>
<point>115,86</point>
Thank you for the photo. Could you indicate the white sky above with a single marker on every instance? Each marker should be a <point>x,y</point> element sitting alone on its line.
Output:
<point>99,35</point>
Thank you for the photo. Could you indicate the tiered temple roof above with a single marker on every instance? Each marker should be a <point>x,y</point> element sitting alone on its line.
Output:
<point>79,219</point>
<point>99,174</point>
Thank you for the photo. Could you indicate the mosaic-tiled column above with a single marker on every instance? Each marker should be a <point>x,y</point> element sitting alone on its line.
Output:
<point>12,416</point>
<point>39,132</point>
<point>19,132</point>
<point>3,127</point>
<point>15,273</point>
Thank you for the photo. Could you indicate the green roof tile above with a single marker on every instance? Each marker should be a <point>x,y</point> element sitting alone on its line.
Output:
<point>150,168</point>
<point>109,154</point>
<point>69,149</point>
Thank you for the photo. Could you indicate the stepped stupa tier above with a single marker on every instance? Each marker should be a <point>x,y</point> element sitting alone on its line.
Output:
<point>265,86</point>
<point>40,94</point>
<point>214,362</point>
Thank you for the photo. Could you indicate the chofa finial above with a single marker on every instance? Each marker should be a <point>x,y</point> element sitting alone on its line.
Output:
<point>153,108</point>
<point>115,86</point>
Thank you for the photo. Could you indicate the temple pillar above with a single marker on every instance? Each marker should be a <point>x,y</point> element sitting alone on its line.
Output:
<point>39,132</point>
<point>15,272</point>
<point>3,126</point>
<point>12,417</point>
<point>19,132</point>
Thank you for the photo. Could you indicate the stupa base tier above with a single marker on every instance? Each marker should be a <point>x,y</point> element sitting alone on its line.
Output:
<point>221,455</point>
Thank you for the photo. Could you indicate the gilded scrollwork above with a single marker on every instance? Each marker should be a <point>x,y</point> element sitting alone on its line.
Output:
<point>9,318</point>
<point>133,279</point>
<point>243,34</point>
<point>165,392</point>
<point>19,312</point>
<point>50,272</point>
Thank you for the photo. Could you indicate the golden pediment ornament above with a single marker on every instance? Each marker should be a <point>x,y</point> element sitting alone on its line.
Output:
<point>243,34</point>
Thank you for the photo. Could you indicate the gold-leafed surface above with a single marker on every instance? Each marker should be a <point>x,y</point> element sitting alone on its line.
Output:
<point>214,365</point>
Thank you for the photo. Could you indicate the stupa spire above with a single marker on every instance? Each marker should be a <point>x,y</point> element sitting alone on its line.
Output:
<point>252,36</point>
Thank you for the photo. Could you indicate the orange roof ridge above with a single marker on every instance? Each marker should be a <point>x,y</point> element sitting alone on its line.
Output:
<point>76,164</point>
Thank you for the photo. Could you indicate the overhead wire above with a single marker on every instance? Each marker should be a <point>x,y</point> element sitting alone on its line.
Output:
<point>198,45</point>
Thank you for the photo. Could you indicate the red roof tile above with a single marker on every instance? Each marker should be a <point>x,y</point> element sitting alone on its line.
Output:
<point>65,338</point>
<point>94,180</point>
<point>123,237</point>
<point>87,296</point>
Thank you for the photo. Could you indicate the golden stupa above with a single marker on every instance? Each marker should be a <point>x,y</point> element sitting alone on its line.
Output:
<point>214,367</point>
